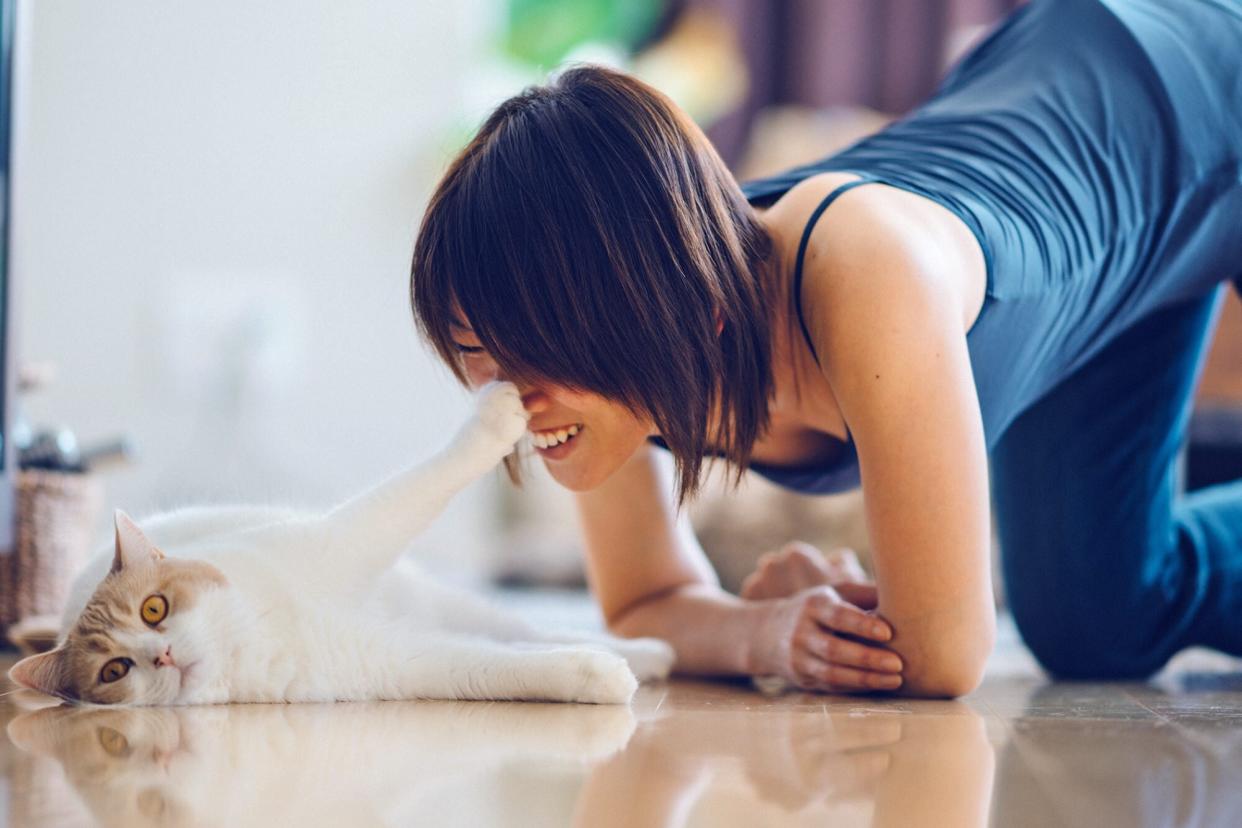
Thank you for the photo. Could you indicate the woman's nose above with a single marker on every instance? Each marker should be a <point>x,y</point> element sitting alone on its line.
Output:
<point>534,400</point>
<point>481,373</point>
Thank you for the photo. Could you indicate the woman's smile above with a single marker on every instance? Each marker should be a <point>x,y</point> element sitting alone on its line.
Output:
<point>556,443</point>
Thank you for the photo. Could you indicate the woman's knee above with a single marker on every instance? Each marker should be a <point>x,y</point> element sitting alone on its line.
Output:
<point>1120,621</point>
<point>1103,645</point>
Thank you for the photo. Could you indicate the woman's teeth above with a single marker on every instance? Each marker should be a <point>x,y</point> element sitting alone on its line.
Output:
<point>548,439</point>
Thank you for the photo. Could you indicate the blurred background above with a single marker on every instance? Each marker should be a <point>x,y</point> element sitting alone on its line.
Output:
<point>213,207</point>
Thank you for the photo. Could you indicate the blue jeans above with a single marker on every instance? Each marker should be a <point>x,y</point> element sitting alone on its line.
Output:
<point>1108,571</point>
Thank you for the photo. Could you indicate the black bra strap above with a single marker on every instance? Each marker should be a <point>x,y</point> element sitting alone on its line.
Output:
<point>806,238</point>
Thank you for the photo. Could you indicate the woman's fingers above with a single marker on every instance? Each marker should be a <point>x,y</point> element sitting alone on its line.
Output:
<point>784,572</point>
<point>835,650</point>
<point>829,660</point>
<point>844,565</point>
<point>862,595</point>
<point>838,615</point>
<point>841,562</point>
<point>797,566</point>
<point>818,641</point>
<point>767,581</point>
<point>816,674</point>
<point>803,552</point>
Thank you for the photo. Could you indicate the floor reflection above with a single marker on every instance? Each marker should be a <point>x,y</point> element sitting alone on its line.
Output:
<point>685,754</point>
<point>796,760</point>
<point>1179,766</point>
<point>347,764</point>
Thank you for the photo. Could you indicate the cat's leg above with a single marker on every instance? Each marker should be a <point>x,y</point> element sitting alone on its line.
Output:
<point>365,535</point>
<point>478,669</point>
<point>649,659</point>
<point>191,523</point>
<point>465,612</point>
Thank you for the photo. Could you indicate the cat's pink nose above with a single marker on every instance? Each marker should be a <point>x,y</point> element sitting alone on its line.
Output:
<point>165,659</point>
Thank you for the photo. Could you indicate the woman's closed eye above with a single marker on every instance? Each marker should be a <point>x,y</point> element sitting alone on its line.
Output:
<point>476,363</point>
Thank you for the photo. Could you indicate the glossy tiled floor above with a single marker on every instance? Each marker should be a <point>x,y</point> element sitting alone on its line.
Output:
<point>1018,752</point>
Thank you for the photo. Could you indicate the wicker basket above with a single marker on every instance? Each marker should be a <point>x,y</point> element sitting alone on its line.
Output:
<point>56,521</point>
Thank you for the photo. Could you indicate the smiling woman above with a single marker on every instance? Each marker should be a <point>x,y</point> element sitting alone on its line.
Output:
<point>590,239</point>
<point>590,246</point>
<point>1009,273</point>
<point>563,419</point>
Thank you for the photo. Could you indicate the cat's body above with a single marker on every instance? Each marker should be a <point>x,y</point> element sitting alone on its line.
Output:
<point>246,604</point>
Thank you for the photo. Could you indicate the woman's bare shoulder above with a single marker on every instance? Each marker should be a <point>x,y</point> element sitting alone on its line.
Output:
<point>883,232</point>
<point>787,215</point>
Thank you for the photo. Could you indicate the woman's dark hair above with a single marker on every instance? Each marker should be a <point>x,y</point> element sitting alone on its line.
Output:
<point>592,238</point>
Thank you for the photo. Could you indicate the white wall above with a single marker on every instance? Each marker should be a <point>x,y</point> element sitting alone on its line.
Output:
<point>214,210</point>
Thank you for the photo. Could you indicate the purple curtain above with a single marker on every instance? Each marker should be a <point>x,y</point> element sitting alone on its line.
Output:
<point>884,54</point>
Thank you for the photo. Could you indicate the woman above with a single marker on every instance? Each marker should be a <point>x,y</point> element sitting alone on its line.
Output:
<point>1026,270</point>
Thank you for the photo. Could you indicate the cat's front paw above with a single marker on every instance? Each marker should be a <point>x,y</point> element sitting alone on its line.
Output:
<point>499,421</point>
<point>650,659</point>
<point>597,677</point>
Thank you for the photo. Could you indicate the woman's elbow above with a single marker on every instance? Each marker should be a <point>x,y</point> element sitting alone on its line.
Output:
<point>945,682</point>
<point>635,618</point>
<point>950,665</point>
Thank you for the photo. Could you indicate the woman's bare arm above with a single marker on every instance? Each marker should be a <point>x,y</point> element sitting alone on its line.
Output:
<point>651,578</point>
<point>888,324</point>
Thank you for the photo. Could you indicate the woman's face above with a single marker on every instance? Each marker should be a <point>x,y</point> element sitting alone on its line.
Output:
<point>581,437</point>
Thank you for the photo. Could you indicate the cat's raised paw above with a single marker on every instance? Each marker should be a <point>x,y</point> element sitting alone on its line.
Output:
<point>500,419</point>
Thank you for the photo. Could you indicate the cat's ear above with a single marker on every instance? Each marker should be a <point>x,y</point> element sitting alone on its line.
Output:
<point>36,731</point>
<point>133,548</point>
<point>43,672</point>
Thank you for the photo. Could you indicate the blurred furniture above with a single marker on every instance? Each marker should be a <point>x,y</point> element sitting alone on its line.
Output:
<point>886,55</point>
<point>8,39</point>
<point>56,514</point>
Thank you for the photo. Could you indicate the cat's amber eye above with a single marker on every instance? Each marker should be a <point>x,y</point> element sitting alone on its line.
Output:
<point>113,742</point>
<point>114,670</point>
<point>154,609</point>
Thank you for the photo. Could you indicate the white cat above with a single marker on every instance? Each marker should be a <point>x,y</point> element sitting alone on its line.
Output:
<point>215,605</point>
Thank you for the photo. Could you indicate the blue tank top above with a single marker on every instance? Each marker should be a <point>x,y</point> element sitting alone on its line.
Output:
<point>1094,149</point>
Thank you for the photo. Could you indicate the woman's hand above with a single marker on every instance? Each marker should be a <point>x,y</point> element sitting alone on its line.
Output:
<point>816,640</point>
<point>798,566</point>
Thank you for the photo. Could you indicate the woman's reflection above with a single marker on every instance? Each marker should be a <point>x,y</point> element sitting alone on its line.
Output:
<point>923,764</point>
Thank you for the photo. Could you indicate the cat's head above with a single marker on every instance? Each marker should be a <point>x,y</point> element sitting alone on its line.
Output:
<point>142,638</point>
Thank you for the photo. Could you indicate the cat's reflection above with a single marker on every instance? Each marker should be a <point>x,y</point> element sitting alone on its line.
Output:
<point>355,764</point>
<point>926,763</point>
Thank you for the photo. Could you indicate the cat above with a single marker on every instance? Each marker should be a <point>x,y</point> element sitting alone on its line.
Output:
<point>212,605</point>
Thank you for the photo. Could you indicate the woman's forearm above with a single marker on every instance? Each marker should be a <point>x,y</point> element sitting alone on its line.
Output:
<point>712,631</point>
<point>716,633</point>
